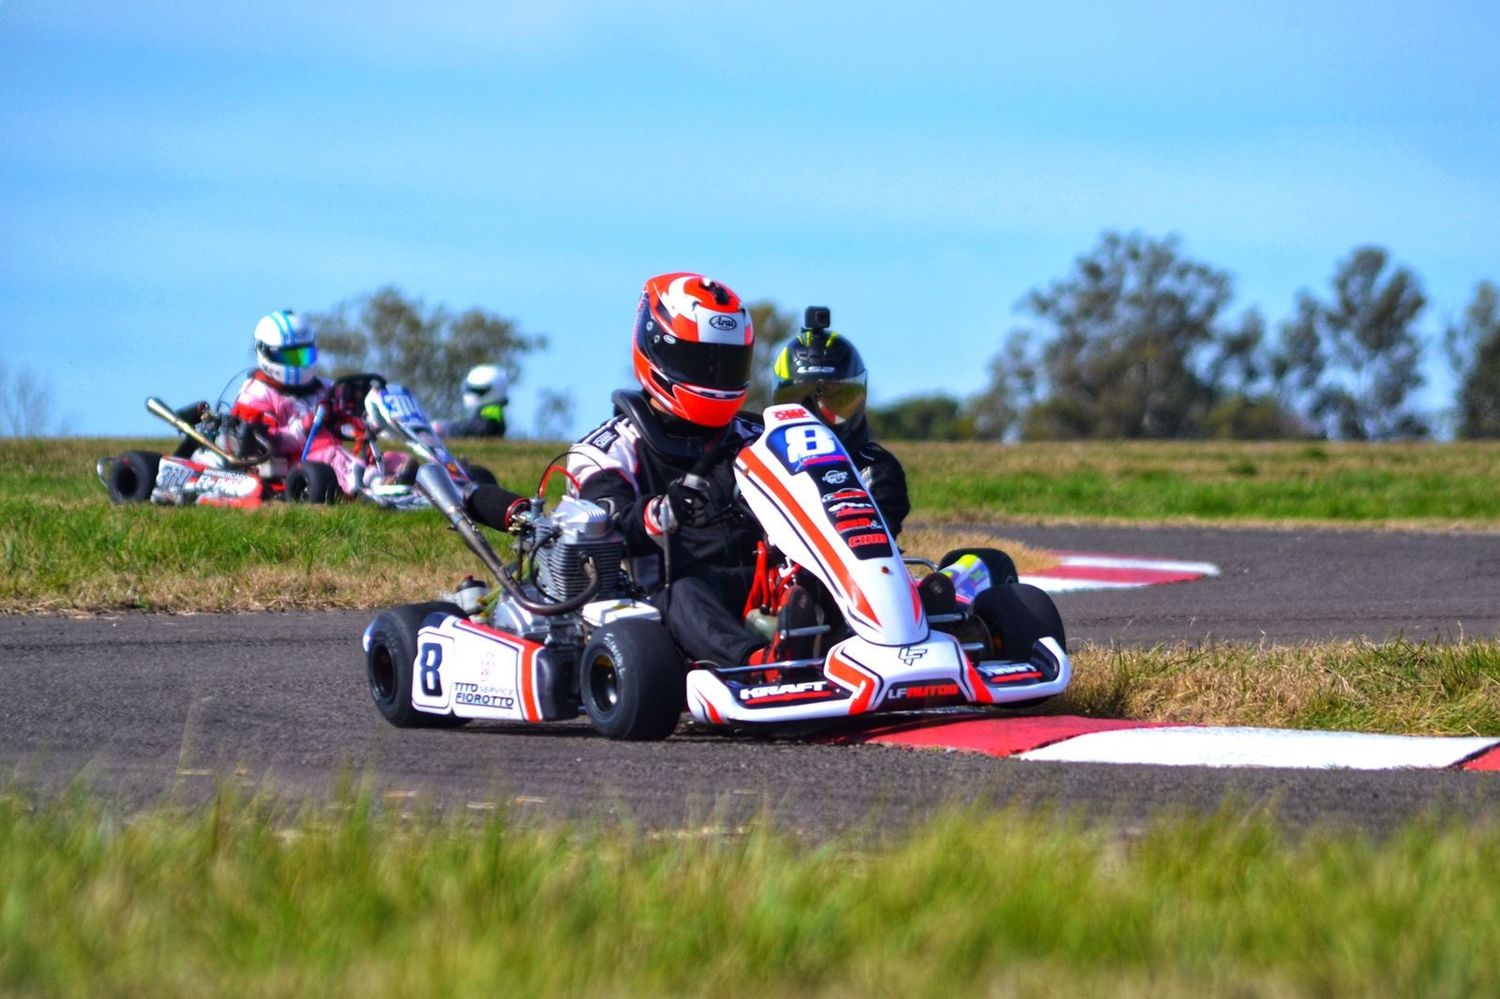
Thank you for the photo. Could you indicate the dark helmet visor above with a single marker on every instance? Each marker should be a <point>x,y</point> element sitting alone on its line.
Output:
<point>836,401</point>
<point>708,365</point>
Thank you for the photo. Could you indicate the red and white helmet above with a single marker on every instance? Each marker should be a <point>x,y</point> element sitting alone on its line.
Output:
<point>693,340</point>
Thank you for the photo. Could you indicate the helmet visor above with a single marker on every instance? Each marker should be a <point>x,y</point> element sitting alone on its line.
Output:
<point>292,357</point>
<point>707,365</point>
<point>836,402</point>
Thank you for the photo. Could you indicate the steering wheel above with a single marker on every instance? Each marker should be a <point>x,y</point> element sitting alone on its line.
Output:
<point>346,403</point>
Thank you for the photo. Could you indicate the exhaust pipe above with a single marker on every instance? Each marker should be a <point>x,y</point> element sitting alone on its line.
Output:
<point>437,485</point>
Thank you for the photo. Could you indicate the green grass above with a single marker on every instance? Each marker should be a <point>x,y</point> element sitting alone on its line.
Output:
<point>241,898</point>
<point>1397,687</point>
<point>65,547</point>
<point>1429,485</point>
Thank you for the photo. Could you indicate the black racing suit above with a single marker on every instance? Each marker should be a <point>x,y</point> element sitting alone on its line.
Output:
<point>883,475</point>
<point>630,461</point>
<point>478,425</point>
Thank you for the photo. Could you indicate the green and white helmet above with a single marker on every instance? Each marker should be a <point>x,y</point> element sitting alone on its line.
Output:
<point>485,389</point>
<point>285,348</point>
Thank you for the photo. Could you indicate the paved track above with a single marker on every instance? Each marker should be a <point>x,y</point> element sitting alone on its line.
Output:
<point>140,706</point>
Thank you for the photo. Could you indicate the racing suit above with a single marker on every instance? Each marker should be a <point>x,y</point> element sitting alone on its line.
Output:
<point>285,415</point>
<point>884,477</point>
<point>488,422</point>
<point>626,465</point>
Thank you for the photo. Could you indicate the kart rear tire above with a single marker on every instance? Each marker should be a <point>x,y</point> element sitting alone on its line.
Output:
<point>1001,566</point>
<point>1018,614</point>
<point>391,658</point>
<point>312,482</point>
<point>481,476</point>
<point>631,681</point>
<point>132,476</point>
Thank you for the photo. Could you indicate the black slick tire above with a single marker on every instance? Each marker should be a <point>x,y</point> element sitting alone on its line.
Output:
<point>632,681</point>
<point>132,476</point>
<point>1018,614</point>
<point>312,482</point>
<point>392,657</point>
<point>480,475</point>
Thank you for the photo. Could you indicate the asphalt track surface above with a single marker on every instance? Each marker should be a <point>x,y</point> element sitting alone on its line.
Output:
<point>145,707</point>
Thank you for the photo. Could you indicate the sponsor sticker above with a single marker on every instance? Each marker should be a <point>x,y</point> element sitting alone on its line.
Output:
<point>782,693</point>
<point>923,691</point>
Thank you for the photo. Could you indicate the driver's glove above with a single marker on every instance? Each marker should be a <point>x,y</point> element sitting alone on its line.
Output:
<point>685,503</point>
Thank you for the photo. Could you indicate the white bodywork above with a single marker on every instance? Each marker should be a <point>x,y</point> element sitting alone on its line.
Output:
<point>806,493</point>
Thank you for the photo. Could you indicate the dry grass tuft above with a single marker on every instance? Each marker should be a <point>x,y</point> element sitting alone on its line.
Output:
<point>933,543</point>
<point>1398,687</point>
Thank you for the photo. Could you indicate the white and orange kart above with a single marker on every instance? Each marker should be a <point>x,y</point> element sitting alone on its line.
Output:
<point>568,633</point>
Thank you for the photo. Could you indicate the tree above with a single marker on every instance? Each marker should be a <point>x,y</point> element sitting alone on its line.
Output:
<point>554,415</point>
<point>1131,346</point>
<point>1473,346</point>
<point>934,417</point>
<point>25,404</point>
<point>773,328</point>
<point>427,350</point>
<point>1350,365</point>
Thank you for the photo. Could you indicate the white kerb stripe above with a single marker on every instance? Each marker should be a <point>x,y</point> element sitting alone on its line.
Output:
<point>1192,746</point>
<point>1054,584</point>
<point>1155,564</point>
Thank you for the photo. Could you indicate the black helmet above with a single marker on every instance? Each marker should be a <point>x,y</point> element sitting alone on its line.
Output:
<point>823,371</point>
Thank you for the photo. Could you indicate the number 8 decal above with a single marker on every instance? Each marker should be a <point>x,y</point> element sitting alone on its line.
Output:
<point>430,662</point>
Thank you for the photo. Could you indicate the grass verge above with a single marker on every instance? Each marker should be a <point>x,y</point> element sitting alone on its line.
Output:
<point>239,898</point>
<point>1398,687</point>
<point>65,548</point>
<point>1419,485</point>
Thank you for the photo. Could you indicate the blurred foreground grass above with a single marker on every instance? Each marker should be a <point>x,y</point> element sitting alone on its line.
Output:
<point>245,898</point>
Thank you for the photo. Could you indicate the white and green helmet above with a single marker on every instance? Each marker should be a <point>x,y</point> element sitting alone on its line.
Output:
<point>485,391</point>
<point>285,348</point>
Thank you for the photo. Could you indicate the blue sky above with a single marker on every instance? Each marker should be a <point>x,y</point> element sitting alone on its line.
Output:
<point>171,171</point>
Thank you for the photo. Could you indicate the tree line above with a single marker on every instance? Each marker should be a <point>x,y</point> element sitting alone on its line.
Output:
<point>1137,342</point>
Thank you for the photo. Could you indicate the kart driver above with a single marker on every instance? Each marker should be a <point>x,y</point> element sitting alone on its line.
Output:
<point>823,371</point>
<point>279,403</point>
<point>484,401</point>
<point>663,466</point>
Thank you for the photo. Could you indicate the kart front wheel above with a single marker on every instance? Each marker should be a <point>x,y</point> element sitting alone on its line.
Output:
<point>392,656</point>
<point>132,476</point>
<point>312,482</point>
<point>631,681</point>
<point>1018,614</point>
<point>1002,567</point>
<point>481,476</point>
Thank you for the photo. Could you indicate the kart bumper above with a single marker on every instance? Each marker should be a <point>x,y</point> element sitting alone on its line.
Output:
<point>859,677</point>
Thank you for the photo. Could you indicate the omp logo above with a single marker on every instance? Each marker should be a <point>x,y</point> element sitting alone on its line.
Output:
<point>724,323</point>
<point>910,655</point>
<point>789,413</point>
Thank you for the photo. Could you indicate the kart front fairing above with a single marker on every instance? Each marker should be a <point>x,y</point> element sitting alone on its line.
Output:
<point>809,498</point>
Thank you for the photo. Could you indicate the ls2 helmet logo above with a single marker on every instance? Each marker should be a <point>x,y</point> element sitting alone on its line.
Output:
<point>805,445</point>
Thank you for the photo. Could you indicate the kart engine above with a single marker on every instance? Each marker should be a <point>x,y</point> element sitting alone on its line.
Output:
<point>577,529</point>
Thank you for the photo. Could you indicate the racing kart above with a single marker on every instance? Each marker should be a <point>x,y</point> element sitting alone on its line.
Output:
<point>568,631</point>
<point>221,460</point>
